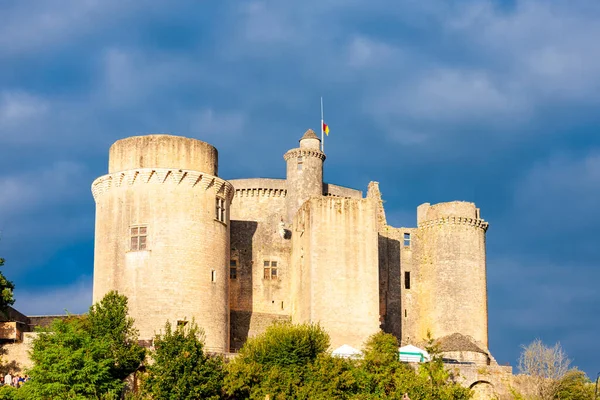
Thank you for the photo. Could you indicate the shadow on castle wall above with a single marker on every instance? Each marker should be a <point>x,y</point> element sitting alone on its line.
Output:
<point>389,286</point>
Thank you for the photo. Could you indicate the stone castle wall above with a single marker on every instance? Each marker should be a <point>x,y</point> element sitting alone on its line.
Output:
<point>399,277</point>
<point>337,289</point>
<point>257,208</point>
<point>182,272</point>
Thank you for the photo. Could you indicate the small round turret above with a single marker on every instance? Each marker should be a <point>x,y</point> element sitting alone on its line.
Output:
<point>304,176</point>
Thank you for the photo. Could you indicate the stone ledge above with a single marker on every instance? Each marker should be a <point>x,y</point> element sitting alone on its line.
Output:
<point>475,222</point>
<point>295,153</point>
<point>164,176</point>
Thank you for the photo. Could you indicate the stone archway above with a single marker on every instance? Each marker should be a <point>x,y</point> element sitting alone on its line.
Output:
<point>483,390</point>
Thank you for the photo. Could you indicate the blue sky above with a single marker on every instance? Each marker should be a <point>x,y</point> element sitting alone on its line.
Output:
<point>491,102</point>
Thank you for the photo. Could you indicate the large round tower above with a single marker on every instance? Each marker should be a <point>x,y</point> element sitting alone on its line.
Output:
<point>304,175</point>
<point>162,234</point>
<point>452,271</point>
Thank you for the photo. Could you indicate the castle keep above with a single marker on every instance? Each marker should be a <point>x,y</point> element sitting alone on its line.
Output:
<point>237,255</point>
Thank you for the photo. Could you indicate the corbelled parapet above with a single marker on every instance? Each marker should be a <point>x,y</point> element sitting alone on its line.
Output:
<point>303,152</point>
<point>454,212</point>
<point>162,176</point>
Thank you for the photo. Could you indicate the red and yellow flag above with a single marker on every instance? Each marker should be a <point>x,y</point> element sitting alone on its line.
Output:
<point>325,128</point>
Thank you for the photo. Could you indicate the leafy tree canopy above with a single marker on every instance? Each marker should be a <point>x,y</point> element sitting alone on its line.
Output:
<point>181,370</point>
<point>85,357</point>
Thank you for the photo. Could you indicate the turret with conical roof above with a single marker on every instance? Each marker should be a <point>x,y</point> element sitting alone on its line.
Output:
<point>304,176</point>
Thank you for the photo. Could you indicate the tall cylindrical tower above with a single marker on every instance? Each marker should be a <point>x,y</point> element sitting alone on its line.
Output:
<point>304,177</point>
<point>452,271</point>
<point>162,234</point>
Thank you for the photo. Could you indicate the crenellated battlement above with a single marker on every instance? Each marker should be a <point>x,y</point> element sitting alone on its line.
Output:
<point>260,192</point>
<point>475,222</point>
<point>165,176</point>
<point>304,152</point>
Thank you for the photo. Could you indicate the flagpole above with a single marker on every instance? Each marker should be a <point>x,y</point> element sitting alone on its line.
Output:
<point>322,121</point>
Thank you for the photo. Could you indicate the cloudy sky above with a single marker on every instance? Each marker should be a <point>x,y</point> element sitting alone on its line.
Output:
<point>494,102</point>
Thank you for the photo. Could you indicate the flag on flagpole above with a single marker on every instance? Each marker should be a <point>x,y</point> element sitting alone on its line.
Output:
<point>326,128</point>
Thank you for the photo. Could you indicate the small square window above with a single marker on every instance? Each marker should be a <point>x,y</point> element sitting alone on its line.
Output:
<point>233,269</point>
<point>181,324</point>
<point>139,238</point>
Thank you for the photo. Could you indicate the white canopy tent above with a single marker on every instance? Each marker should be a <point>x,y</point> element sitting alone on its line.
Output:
<point>346,351</point>
<point>410,353</point>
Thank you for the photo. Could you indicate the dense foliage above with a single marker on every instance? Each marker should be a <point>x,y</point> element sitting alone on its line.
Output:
<point>6,291</point>
<point>181,370</point>
<point>290,361</point>
<point>85,357</point>
<point>88,357</point>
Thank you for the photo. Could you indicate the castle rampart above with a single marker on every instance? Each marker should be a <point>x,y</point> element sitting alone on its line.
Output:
<point>330,189</point>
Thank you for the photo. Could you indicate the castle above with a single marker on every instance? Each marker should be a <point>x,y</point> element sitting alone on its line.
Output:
<point>236,255</point>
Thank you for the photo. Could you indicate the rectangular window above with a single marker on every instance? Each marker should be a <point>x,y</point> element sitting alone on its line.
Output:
<point>406,239</point>
<point>139,235</point>
<point>407,280</point>
<point>270,270</point>
<point>405,313</point>
<point>233,269</point>
<point>220,209</point>
<point>213,276</point>
<point>300,162</point>
<point>273,269</point>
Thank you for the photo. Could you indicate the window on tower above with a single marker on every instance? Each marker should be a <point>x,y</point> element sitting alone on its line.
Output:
<point>406,279</point>
<point>233,269</point>
<point>220,209</point>
<point>300,162</point>
<point>139,238</point>
<point>406,239</point>
<point>270,270</point>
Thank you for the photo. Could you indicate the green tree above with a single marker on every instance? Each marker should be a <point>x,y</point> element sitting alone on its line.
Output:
<point>6,291</point>
<point>575,385</point>
<point>70,364</point>
<point>181,369</point>
<point>85,357</point>
<point>108,322</point>
<point>276,363</point>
